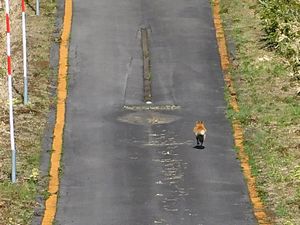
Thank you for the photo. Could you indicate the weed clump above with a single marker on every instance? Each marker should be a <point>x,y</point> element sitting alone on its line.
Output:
<point>281,24</point>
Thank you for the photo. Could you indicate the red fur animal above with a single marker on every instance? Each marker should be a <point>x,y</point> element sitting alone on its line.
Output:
<point>200,132</point>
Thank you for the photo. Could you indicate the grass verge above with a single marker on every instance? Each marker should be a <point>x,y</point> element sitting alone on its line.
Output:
<point>17,201</point>
<point>268,98</point>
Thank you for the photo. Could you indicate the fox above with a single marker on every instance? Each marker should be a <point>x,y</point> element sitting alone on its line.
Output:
<point>200,132</point>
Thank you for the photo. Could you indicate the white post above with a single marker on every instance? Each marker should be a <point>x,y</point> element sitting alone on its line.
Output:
<point>24,54</point>
<point>12,132</point>
<point>11,114</point>
<point>37,8</point>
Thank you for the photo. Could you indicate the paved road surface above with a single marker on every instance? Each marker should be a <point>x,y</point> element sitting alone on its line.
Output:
<point>135,167</point>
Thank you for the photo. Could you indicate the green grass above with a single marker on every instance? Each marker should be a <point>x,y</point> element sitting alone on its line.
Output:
<point>17,198</point>
<point>269,111</point>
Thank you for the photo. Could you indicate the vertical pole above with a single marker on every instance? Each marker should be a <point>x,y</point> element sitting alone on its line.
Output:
<point>37,7</point>
<point>24,54</point>
<point>11,115</point>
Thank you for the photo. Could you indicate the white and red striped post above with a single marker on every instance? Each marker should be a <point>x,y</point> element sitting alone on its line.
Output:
<point>24,53</point>
<point>9,74</point>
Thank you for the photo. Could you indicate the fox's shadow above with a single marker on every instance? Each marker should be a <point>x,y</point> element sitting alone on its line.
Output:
<point>199,147</point>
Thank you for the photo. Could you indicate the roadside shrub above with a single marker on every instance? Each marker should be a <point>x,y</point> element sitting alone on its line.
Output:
<point>281,24</point>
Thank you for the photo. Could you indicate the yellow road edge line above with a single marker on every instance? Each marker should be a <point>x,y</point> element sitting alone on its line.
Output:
<point>258,207</point>
<point>53,187</point>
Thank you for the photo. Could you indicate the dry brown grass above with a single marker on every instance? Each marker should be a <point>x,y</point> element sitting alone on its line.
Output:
<point>17,201</point>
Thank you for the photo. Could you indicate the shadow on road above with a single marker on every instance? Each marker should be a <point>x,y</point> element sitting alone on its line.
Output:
<point>199,147</point>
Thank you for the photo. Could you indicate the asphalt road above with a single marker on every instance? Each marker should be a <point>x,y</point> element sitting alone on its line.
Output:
<point>139,167</point>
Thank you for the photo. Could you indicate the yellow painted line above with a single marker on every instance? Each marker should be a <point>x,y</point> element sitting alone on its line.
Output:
<point>258,206</point>
<point>53,188</point>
